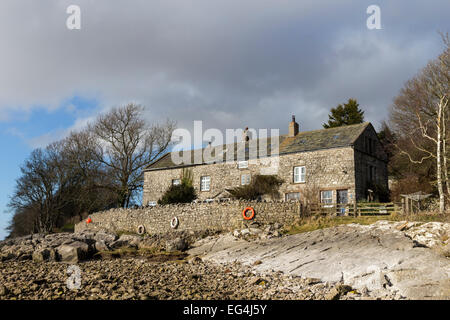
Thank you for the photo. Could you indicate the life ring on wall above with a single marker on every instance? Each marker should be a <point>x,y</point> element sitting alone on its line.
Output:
<point>140,229</point>
<point>174,223</point>
<point>245,215</point>
<point>89,220</point>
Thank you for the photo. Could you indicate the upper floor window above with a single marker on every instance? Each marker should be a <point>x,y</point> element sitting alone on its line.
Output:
<point>205,182</point>
<point>242,164</point>
<point>299,174</point>
<point>176,182</point>
<point>245,179</point>
<point>369,145</point>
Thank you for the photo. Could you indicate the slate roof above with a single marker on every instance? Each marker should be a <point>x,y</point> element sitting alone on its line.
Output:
<point>304,141</point>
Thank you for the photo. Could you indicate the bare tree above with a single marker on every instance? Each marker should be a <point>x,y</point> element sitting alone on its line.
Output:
<point>126,144</point>
<point>37,190</point>
<point>420,116</point>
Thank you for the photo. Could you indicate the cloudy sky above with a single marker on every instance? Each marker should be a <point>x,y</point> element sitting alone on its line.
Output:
<point>229,63</point>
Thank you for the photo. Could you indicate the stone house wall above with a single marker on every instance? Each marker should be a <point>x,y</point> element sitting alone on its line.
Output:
<point>369,158</point>
<point>330,169</point>
<point>216,215</point>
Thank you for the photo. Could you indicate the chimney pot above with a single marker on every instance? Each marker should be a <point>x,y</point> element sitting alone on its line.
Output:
<point>293,127</point>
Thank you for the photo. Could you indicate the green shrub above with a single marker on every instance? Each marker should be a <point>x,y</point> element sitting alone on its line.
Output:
<point>181,193</point>
<point>259,186</point>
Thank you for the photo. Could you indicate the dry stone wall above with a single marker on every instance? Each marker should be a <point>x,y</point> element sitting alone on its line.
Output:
<point>218,215</point>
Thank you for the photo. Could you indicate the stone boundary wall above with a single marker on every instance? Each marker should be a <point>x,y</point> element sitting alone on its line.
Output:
<point>217,215</point>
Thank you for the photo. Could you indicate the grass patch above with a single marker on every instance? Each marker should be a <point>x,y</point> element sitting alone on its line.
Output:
<point>321,222</point>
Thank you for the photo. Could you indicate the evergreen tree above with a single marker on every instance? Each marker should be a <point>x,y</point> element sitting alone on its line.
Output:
<point>344,115</point>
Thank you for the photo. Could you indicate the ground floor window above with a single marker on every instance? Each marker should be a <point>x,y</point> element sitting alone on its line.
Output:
<point>152,203</point>
<point>205,182</point>
<point>245,179</point>
<point>176,182</point>
<point>326,196</point>
<point>292,196</point>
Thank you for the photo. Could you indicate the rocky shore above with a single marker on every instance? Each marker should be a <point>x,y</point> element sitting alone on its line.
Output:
<point>138,278</point>
<point>250,264</point>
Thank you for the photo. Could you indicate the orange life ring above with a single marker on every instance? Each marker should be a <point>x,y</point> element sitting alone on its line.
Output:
<point>245,216</point>
<point>89,220</point>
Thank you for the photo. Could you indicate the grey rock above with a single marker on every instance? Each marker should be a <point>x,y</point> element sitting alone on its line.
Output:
<point>106,237</point>
<point>41,255</point>
<point>255,230</point>
<point>3,290</point>
<point>178,244</point>
<point>100,245</point>
<point>126,240</point>
<point>73,252</point>
<point>376,256</point>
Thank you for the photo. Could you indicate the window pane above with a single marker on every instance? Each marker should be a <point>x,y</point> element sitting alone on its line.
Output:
<point>245,179</point>
<point>176,182</point>
<point>205,183</point>
<point>292,196</point>
<point>299,174</point>
<point>326,196</point>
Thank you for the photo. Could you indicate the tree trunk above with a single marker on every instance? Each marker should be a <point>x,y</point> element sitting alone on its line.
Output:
<point>444,151</point>
<point>439,161</point>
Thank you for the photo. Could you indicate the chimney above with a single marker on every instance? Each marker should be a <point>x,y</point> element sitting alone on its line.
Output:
<point>293,127</point>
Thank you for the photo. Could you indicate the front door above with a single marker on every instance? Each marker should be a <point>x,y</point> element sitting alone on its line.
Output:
<point>342,200</point>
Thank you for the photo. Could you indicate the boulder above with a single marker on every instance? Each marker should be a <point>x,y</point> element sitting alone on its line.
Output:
<point>107,238</point>
<point>254,230</point>
<point>100,245</point>
<point>126,240</point>
<point>178,244</point>
<point>73,252</point>
<point>44,254</point>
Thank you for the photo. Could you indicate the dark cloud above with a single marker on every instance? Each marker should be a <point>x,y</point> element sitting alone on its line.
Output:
<point>230,63</point>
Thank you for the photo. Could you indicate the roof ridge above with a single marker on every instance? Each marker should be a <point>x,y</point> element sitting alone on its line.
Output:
<point>303,141</point>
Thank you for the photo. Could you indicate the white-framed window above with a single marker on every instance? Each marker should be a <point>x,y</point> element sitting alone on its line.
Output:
<point>243,164</point>
<point>205,182</point>
<point>326,196</point>
<point>245,178</point>
<point>292,196</point>
<point>176,182</point>
<point>152,203</point>
<point>299,174</point>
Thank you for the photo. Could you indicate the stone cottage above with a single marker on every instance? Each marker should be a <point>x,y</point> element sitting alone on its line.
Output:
<point>335,165</point>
